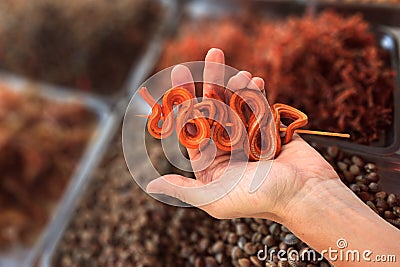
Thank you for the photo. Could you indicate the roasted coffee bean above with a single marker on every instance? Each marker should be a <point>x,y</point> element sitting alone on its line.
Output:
<point>259,221</point>
<point>304,251</point>
<point>370,167</point>
<point>348,176</point>
<point>392,200</point>
<point>270,264</point>
<point>250,248</point>
<point>359,179</point>
<point>380,203</point>
<point>282,236</point>
<point>186,251</point>
<point>283,246</point>
<point>263,229</point>
<point>372,177</point>
<point>255,261</point>
<point>228,249</point>
<point>210,262</point>
<point>396,210</point>
<point>199,262</point>
<point>236,253</point>
<point>204,244</point>
<point>374,187</point>
<point>381,194</point>
<point>292,249</point>
<point>269,222</point>
<point>220,258</point>
<point>253,226</point>
<point>241,242</point>
<point>347,161</point>
<point>371,205</point>
<point>354,169</point>
<point>295,263</point>
<point>363,187</point>
<point>274,229</point>
<point>366,196</point>
<point>283,263</point>
<point>355,188</point>
<point>395,222</point>
<point>291,239</point>
<point>269,241</point>
<point>342,166</point>
<point>218,247</point>
<point>357,161</point>
<point>332,151</point>
<point>389,215</point>
<point>241,229</point>
<point>194,237</point>
<point>256,237</point>
<point>232,238</point>
<point>284,229</point>
<point>244,262</point>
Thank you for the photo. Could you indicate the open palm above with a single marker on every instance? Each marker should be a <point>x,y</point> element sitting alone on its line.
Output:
<point>277,181</point>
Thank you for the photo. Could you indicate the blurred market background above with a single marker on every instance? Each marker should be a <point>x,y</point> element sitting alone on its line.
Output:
<point>68,69</point>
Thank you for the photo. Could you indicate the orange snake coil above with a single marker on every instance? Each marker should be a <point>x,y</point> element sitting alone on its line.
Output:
<point>225,121</point>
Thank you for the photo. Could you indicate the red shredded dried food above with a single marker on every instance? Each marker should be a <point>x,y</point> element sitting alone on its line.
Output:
<point>328,66</point>
<point>41,142</point>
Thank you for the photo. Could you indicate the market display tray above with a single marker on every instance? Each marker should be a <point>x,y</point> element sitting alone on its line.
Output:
<point>24,256</point>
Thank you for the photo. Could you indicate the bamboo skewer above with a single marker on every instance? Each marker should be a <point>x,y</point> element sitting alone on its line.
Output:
<point>142,116</point>
<point>300,131</point>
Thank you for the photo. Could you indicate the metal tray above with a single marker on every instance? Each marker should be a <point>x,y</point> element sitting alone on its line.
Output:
<point>378,13</point>
<point>390,143</point>
<point>140,70</point>
<point>24,256</point>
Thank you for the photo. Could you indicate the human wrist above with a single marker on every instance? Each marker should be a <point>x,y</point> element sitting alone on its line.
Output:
<point>326,210</point>
<point>319,197</point>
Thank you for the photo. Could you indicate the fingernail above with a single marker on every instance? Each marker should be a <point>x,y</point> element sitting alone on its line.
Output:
<point>217,54</point>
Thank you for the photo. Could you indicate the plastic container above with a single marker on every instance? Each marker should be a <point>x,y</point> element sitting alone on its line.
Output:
<point>24,256</point>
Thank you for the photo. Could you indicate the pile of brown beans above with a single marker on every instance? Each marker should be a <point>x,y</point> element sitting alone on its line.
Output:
<point>117,224</point>
<point>362,178</point>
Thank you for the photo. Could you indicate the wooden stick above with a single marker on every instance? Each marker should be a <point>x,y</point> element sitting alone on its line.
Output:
<point>142,116</point>
<point>318,133</point>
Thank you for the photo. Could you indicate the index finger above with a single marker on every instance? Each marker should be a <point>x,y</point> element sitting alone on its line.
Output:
<point>214,70</point>
<point>182,77</point>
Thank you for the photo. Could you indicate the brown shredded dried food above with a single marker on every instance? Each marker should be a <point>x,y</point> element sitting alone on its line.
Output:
<point>329,66</point>
<point>40,144</point>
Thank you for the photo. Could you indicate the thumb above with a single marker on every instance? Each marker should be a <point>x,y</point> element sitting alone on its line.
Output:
<point>193,192</point>
<point>175,186</point>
